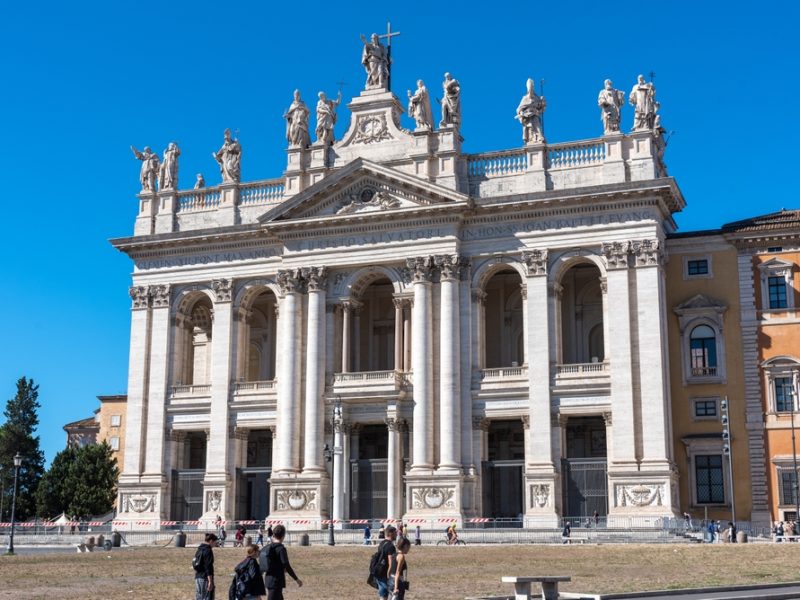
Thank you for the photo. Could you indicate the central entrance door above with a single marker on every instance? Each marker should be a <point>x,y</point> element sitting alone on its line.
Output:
<point>585,476</point>
<point>368,474</point>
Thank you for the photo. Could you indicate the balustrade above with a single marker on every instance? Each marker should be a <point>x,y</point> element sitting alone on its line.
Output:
<point>582,368</point>
<point>581,154</point>
<point>191,390</point>
<point>202,199</point>
<point>245,386</point>
<point>261,192</point>
<point>497,164</point>
<point>503,372</point>
<point>704,371</point>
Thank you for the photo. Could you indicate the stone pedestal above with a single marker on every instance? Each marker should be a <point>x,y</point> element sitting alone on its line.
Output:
<point>434,497</point>
<point>424,145</point>
<point>450,172</point>
<point>227,213</point>
<point>141,504</point>
<point>295,177</point>
<point>542,494</point>
<point>536,173</point>
<point>614,170</point>
<point>217,500</point>
<point>167,207</point>
<point>148,206</point>
<point>642,499</point>
<point>300,501</point>
<point>320,161</point>
<point>642,153</point>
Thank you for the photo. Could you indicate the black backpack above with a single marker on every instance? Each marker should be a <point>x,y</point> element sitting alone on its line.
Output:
<point>197,561</point>
<point>264,558</point>
<point>378,564</point>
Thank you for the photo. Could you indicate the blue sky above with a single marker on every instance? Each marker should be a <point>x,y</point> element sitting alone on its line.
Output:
<point>82,81</point>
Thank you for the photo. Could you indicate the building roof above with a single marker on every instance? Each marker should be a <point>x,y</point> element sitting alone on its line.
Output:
<point>88,423</point>
<point>784,219</point>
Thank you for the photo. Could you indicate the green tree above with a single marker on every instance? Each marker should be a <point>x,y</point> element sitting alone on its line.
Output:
<point>81,481</point>
<point>17,435</point>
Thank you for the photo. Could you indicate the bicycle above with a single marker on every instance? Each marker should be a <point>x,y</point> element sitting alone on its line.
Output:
<point>448,542</point>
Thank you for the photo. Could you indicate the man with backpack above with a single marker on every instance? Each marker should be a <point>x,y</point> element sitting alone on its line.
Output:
<point>275,564</point>
<point>203,563</point>
<point>381,564</point>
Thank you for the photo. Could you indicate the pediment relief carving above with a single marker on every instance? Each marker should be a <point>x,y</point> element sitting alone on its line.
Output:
<point>700,303</point>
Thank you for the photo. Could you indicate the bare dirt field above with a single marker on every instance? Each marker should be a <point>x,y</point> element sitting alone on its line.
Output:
<point>435,572</point>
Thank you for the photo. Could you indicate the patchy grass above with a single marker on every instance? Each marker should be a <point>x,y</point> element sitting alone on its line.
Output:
<point>435,572</point>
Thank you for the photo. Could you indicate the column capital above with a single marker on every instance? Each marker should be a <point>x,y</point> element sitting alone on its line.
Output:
<point>607,418</point>
<point>238,433</point>
<point>393,424</point>
<point>647,253</point>
<point>451,266</point>
<point>478,296</point>
<point>223,289</point>
<point>535,262</point>
<point>526,421</point>
<point>420,269</point>
<point>160,295</point>
<point>316,278</point>
<point>616,254</point>
<point>481,423</point>
<point>290,281</point>
<point>140,296</point>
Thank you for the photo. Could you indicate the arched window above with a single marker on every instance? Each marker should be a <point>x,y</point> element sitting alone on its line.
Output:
<point>703,348</point>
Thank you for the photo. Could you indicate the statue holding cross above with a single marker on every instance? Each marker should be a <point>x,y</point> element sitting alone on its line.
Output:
<point>377,59</point>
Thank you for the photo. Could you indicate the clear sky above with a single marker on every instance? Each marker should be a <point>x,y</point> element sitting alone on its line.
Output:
<point>83,81</point>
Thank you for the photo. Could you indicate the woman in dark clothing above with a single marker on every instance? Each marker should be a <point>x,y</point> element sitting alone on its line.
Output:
<point>247,583</point>
<point>278,565</point>
<point>398,570</point>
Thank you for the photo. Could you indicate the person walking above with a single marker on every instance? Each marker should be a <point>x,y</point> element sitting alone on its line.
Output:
<point>260,537</point>
<point>398,570</point>
<point>269,533</point>
<point>565,533</point>
<point>367,535</point>
<point>275,563</point>
<point>247,583</point>
<point>203,564</point>
<point>388,551</point>
<point>712,532</point>
<point>382,532</point>
<point>418,536</point>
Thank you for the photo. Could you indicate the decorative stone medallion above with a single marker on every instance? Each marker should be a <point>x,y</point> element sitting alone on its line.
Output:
<point>540,495</point>
<point>296,499</point>
<point>371,129</point>
<point>213,500</point>
<point>640,494</point>
<point>433,497</point>
<point>139,503</point>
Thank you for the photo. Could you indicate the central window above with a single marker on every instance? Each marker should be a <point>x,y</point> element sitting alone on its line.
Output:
<point>703,347</point>
<point>777,292</point>
<point>697,267</point>
<point>783,394</point>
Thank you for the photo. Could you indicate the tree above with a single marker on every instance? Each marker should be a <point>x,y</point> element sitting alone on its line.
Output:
<point>17,435</point>
<point>81,481</point>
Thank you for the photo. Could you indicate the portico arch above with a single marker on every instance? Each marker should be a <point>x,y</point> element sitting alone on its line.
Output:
<point>257,330</point>
<point>193,330</point>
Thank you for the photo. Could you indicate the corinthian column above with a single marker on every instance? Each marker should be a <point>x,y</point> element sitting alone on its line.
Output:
<point>398,334</point>
<point>421,362</point>
<point>315,369</point>
<point>449,365</point>
<point>393,471</point>
<point>288,411</point>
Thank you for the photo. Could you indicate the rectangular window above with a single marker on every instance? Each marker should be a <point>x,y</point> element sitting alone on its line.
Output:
<point>775,249</point>
<point>777,292</point>
<point>783,394</point>
<point>788,487</point>
<point>697,267</point>
<point>708,479</point>
<point>114,443</point>
<point>116,420</point>
<point>705,408</point>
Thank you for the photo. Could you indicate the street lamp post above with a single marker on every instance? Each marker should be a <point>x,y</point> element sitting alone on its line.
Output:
<point>17,464</point>
<point>726,449</point>
<point>794,451</point>
<point>330,453</point>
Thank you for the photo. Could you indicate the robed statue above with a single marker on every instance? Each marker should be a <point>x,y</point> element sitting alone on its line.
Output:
<point>168,174</point>
<point>419,107</point>
<point>610,102</point>
<point>375,59</point>
<point>326,118</point>
<point>297,122</point>
<point>149,171</point>
<point>643,99</point>
<point>451,102</point>
<point>229,157</point>
<point>529,113</point>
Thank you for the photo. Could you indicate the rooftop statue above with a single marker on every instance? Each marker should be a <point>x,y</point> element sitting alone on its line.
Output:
<point>297,122</point>
<point>529,113</point>
<point>375,59</point>
<point>419,107</point>
<point>643,98</point>
<point>168,174</point>
<point>229,157</point>
<point>610,102</point>
<point>326,118</point>
<point>451,102</point>
<point>200,183</point>
<point>149,171</point>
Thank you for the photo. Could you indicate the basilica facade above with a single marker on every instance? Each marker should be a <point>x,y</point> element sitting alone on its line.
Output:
<point>397,329</point>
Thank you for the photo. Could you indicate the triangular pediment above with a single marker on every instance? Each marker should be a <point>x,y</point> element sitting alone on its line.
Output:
<point>362,188</point>
<point>776,263</point>
<point>700,302</point>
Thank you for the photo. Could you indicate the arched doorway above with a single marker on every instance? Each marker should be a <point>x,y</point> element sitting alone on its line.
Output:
<point>502,320</point>
<point>581,308</point>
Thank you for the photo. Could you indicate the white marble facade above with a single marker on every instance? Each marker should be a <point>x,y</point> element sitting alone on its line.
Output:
<point>431,295</point>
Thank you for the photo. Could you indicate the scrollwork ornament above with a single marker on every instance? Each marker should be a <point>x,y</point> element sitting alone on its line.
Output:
<point>316,278</point>
<point>647,253</point>
<point>616,254</point>
<point>290,281</point>
<point>420,269</point>
<point>160,295</point>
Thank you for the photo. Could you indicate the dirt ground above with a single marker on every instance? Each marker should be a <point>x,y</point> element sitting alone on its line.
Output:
<point>434,572</point>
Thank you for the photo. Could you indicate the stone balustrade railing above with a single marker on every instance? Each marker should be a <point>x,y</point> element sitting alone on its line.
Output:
<point>191,390</point>
<point>580,154</point>
<point>497,164</point>
<point>704,371</point>
<point>268,191</point>
<point>364,376</point>
<point>255,386</point>
<point>503,372</point>
<point>202,199</point>
<point>581,369</point>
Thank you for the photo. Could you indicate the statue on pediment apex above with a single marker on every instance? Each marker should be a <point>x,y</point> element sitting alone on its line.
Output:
<point>297,122</point>
<point>610,102</point>
<point>326,118</point>
<point>229,157</point>
<point>529,114</point>
<point>451,102</point>
<point>375,59</point>
<point>149,171</point>
<point>419,107</point>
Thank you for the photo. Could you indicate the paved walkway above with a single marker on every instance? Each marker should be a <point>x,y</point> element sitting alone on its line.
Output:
<point>774,592</point>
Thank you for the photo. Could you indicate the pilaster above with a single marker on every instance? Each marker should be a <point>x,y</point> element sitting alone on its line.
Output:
<point>167,207</point>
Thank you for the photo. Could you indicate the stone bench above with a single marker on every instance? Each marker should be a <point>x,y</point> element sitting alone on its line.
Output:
<point>522,586</point>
